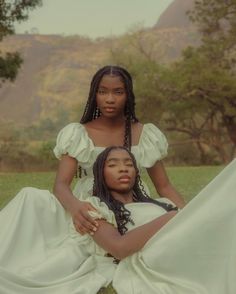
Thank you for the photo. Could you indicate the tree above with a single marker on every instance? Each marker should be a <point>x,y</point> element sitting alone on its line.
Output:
<point>217,25</point>
<point>206,87</point>
<point>11,12</point>
<point>139,55</point>
<point>193,82</point>
<point>195,97</point>
<point>216,20</point>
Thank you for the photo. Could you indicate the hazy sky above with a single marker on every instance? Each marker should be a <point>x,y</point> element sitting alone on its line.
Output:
<point>92,18</point>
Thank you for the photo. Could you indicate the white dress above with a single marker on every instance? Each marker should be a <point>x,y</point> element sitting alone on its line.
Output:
<point>40,252</point>
<point>195,253</point>
<point>74,140</point>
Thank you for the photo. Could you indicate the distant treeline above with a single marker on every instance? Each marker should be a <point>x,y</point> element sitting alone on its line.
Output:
<point>31,148</point>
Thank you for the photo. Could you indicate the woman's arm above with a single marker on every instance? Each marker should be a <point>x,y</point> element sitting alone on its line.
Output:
<point>121,246</point>
<point>78,209</point>
<point>162,184</point>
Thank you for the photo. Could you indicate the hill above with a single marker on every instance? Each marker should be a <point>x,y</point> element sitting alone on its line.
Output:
<point>175,15</point>
<point>55,74</point>
<point>57,70</point>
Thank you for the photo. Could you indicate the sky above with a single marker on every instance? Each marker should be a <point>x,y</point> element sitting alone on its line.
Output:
<point>92,18</point>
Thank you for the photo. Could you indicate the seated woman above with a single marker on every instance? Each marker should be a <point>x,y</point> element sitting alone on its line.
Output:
<point>118,186</point>
<point>194,253</point>
<point>159,249</point>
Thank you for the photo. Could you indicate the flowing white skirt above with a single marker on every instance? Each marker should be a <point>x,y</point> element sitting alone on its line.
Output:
<point>40,252</point>
<point>195,253</point>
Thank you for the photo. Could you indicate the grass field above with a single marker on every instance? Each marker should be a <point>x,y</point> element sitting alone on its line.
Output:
<point>188,181</point>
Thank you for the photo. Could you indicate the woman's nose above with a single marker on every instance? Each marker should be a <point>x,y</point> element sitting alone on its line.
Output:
<point>123,168</point>
<point>110,98</point>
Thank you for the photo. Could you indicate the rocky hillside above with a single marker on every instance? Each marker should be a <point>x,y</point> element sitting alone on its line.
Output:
<point>175,15</point>
<point>55,75</point>
<point>57,70</point>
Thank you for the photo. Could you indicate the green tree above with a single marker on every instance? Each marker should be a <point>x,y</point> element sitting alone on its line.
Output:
<point>216,20</point>
<point>202,91</point>
<point>147,74</point>
<point>217,24</point>
<point>201,87</point>
<point>195,97</point>
<point>192,83</point>
<point>11,12</point>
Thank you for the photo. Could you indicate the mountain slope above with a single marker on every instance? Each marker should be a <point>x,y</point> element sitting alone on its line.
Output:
<point>175,15</point>
<point>55,75</point>
<point>57,70</point>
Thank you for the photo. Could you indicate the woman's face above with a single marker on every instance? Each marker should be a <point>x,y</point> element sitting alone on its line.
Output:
<point>119,171</point>
<point>111,96</point>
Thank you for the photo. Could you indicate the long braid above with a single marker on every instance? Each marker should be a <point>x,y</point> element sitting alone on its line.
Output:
<point>128,134</point>
<point>91,105</point>
<point>141,195</point>
<point>100,189</point>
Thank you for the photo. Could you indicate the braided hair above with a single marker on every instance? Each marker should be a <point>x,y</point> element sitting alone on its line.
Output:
<point>100,190</point>
<point>91,110</point>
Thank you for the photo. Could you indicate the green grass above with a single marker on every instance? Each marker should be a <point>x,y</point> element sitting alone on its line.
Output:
<point>11,183</point>
<point>187,180</point>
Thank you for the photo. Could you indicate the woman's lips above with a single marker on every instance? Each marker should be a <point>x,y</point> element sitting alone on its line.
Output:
<point>109,109</point>
<point>124,179</point>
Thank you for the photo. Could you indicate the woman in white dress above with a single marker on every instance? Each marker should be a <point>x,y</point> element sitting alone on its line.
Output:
<point>194,253</point>
<point>160,250</point>
<point>34,251</point>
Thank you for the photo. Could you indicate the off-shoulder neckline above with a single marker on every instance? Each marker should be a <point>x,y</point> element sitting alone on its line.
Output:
<point>103,147</point>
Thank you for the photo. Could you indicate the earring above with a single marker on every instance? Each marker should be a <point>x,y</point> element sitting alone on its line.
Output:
<point>97,112</point>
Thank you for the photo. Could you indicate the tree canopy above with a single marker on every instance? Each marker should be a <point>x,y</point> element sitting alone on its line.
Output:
<point>10,13</point>
<point>195,96</point>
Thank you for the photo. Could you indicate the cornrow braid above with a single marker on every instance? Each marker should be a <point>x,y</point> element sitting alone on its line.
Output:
<point>128,136</point>
<point>100,190</point>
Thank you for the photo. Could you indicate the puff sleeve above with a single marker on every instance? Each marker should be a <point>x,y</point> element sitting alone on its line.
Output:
<point>103,212</point>
<point>153,146</point>
<point>86,241</point>
<point>74,141</point>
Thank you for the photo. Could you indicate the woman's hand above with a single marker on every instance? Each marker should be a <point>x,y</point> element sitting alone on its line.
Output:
<point>83,222</point>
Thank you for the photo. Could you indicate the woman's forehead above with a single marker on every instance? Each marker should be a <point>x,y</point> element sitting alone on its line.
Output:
<point>111,80</point>
<point>118,154</point>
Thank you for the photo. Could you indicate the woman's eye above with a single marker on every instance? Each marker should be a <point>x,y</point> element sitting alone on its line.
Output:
<point>101,92</point>
<point>119,92</point>
<point>129,164</point>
